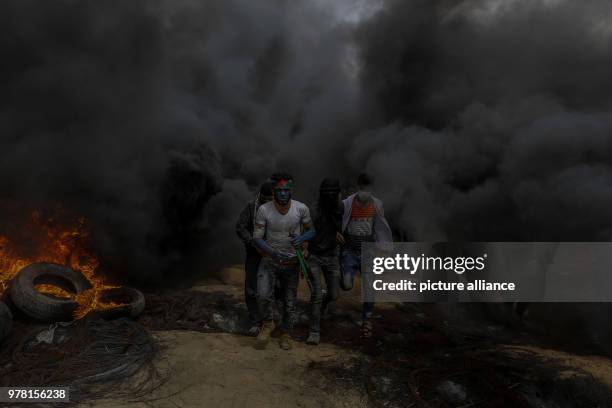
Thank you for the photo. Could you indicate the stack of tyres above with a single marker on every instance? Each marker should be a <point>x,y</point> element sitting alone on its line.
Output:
<point>41,307</point>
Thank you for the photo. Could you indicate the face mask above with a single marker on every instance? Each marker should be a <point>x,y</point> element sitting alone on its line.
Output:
<point>282,196</point>
<point>364,196</point>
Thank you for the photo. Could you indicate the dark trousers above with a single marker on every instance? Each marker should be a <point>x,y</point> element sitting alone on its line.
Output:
<point>329,268</point>
<point>350,265</point>
<point>251,264</point>
<point>268,275</point>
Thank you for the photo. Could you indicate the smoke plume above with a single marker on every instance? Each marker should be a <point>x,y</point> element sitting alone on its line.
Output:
<point>494,118</point>
<point>157,120</point>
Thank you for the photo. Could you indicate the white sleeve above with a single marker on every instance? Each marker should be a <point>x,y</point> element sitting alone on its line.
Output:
<point>260,224</point>
<point>305,215</point>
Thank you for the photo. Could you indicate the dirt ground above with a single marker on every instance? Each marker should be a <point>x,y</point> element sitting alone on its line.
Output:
<point>423,356</point>
<point>226,370</point>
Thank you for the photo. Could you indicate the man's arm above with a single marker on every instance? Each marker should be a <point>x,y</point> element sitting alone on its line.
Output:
<point>309,230</point>
<point>258,236</point>
<point>243,225</point>
<point>259,232</point>
<point>264,247</point>
<point>382,230</point>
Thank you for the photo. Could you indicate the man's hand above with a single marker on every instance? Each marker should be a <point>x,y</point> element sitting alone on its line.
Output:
<point>306,236</point>
<point>297,241</point>
<point>340,239</point>
<point>309,233</point>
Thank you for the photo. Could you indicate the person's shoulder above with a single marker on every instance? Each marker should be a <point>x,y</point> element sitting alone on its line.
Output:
<point>299,206</point>
<point>378,205</point>
<point>266,207</point>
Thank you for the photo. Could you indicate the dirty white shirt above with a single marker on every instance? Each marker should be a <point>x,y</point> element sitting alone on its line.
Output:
<point>278,229</point>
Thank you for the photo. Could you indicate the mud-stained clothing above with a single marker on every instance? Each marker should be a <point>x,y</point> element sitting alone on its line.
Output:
<point>278,229</point>
<point>286,278</point>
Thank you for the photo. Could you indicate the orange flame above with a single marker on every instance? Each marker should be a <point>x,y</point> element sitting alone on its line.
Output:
<point>56,243</point>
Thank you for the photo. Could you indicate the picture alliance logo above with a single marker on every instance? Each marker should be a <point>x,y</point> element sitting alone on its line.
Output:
<point>413,264</point>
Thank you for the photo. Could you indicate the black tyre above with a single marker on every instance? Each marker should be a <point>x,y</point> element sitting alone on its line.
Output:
<point>44,307</point>
<point>132,299</point>
<point>6,320</point>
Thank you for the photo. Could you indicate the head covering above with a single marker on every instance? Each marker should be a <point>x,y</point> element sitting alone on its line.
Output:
<point>266,188</point>
<point>364,179</point>
<point>330,184</point>
<point>282,180</point>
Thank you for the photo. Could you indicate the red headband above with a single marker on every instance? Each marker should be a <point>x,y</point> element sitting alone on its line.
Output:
<point>282,183</point>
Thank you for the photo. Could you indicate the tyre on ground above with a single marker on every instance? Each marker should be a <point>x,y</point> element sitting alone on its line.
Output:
<point>41,306</point>
<point>132,302</point>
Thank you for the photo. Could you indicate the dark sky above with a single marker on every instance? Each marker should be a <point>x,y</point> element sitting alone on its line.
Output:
<point>157,119</point>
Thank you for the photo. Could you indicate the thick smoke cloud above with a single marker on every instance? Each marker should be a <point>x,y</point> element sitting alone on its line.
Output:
<point>156,120</point>
<point>494,118</point>
<point>494,123</point>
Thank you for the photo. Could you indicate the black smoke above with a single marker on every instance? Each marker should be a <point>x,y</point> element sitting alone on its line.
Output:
<point>492,121</point>
<point>494,118</point>
<point>157,120</point>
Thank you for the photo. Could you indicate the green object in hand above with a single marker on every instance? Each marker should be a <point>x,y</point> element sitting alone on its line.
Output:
<point>303,264</point>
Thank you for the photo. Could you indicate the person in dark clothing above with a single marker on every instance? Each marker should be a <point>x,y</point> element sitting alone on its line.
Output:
<point>323,249</point>
<point>244,229</point>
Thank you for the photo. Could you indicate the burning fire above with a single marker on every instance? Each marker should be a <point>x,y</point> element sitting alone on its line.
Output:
<point>50,241</point>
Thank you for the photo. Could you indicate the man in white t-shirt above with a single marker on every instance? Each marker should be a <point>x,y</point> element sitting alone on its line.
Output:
<point>281,225</point>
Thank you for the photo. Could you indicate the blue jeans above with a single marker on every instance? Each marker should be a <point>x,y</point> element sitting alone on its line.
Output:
<point>268,275</point>
<point>350,265</point>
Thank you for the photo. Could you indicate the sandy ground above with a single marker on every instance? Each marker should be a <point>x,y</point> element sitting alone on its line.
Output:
<point>225,370</point>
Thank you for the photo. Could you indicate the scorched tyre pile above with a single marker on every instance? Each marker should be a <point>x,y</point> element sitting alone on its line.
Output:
<point>62,304</point>
<point>41,306</point>
<point>55,277</point>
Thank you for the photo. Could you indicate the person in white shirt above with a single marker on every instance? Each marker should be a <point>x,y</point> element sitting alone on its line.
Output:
<point>281,225</point>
